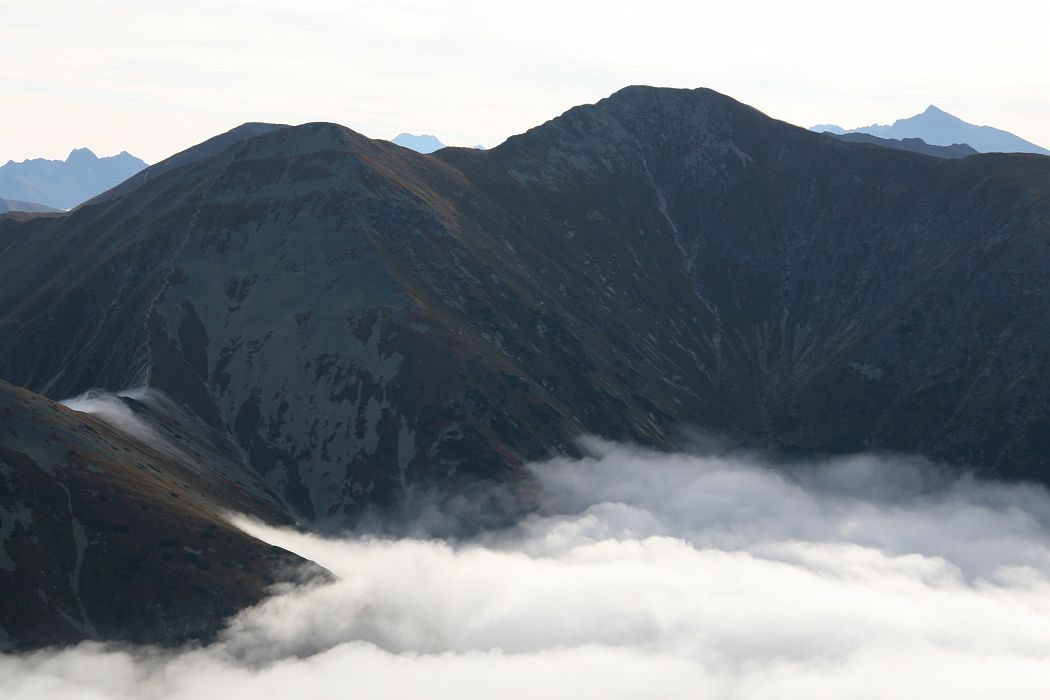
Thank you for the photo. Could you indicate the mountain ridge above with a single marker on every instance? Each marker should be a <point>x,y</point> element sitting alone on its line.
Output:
<point>956,150</point>
<point>205,149</point>
<point>477,291</point>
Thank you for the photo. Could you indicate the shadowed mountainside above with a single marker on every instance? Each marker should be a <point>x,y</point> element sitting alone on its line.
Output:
<point>105,536</point>
<point>368,324</point>
<point>956,150</point>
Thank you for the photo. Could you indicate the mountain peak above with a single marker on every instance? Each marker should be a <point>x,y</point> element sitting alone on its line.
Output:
<point>311,137</point>
<point>422,143</point>
<point>648,94</point>
<point>936,115</point>
<point>666,122</point>
<point>80,155</point>
<point>939,128</point>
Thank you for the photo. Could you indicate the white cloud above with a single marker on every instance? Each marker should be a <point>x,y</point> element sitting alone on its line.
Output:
<point>111,409</point>
<point>646,576</point>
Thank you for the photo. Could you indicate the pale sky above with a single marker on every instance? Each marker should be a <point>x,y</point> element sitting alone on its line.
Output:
<point>154,77</point>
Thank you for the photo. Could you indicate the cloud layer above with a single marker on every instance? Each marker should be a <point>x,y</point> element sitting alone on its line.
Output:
<point>646,576</point>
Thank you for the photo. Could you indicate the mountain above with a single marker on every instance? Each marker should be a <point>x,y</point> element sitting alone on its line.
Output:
<point>421,144</point>
<point>366,326</point>
<point>937,127</point>
<point>7,205</point>
<point>958,150</point>
<point>828,128</point>
<point>105,536</point>
<point>213,146</point>
<point>65,184</point>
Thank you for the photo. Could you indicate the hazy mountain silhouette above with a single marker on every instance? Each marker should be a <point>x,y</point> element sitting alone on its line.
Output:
<point>828,128</point>
<point>938,128</point>
<point>421,144</point>
<point>7,205</point>
<point>65,184</point>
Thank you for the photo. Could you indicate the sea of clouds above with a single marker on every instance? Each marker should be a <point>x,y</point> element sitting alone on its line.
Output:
<point>644,575</point>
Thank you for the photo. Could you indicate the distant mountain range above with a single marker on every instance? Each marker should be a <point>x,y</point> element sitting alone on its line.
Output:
<point>7,205</point>
<point>65,184</point>
<point>938,128</point>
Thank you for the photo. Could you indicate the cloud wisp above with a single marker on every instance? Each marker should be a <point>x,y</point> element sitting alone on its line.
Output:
<point>645,576</point>
<point>111,409</point>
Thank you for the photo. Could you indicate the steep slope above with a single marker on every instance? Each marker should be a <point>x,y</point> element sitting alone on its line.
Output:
<point>65,184</point>
<point>213,146</point>
<point>103,535</point>
<point>369,324</point>
<point>937,127</point>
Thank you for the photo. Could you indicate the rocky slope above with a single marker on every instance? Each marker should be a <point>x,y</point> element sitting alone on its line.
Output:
<point>368,324</point>
<point>104,535</point>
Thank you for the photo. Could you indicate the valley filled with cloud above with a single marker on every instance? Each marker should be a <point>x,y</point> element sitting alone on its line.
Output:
<point>644,575</point>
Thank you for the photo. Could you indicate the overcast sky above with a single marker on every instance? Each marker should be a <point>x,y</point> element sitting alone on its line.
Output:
<point>155,77</point>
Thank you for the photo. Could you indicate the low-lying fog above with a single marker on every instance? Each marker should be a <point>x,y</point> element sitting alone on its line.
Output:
<point>646,576</point>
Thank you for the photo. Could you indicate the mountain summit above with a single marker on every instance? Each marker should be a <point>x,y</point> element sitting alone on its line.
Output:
<point>939,128</point>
